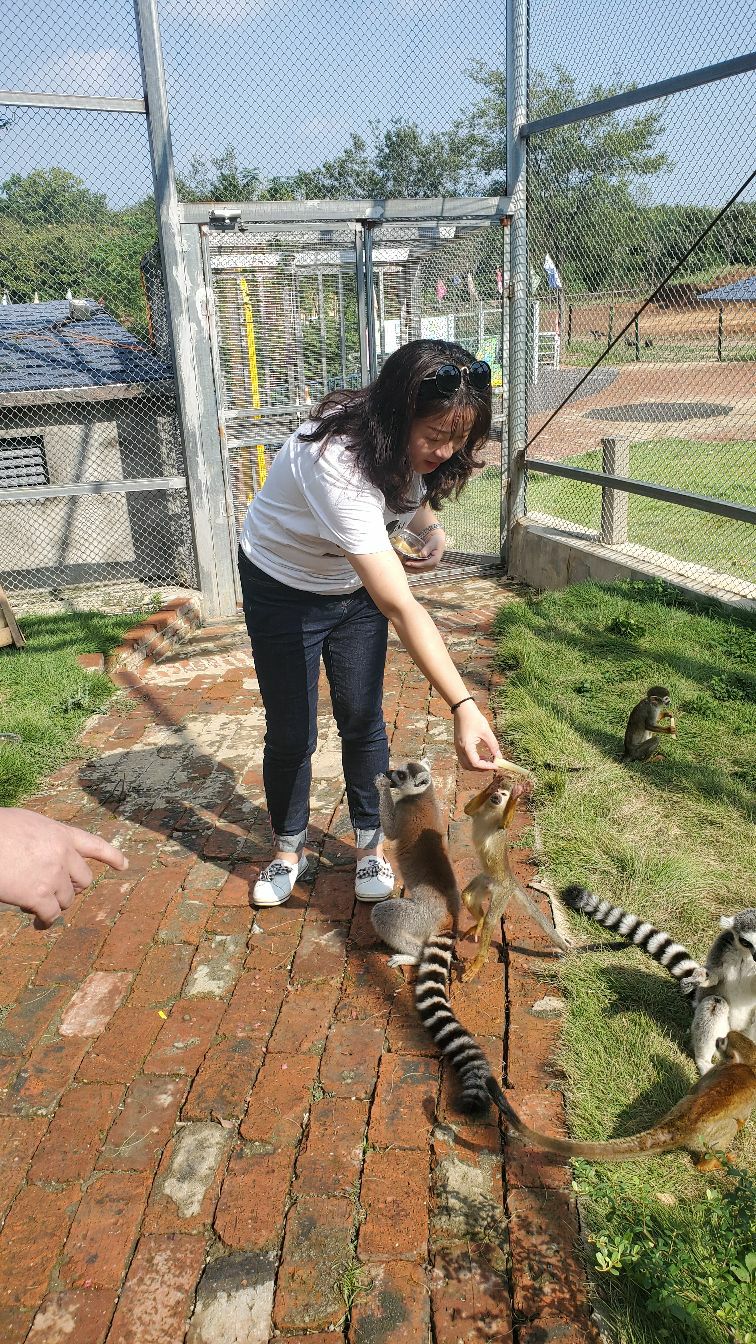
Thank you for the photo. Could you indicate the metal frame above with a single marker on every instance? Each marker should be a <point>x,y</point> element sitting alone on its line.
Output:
<point>71,101</point>
<point>28,492</point>
<point>744,513</point>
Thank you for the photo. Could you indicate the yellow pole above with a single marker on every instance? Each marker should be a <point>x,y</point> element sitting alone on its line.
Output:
<point>249,328</point>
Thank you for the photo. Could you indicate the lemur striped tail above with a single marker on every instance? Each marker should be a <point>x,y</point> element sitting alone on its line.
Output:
<point>455,1043</point>
<point>671,955</point>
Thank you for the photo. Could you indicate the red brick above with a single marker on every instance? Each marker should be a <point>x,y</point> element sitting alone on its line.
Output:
<point>321,953</point>
<point>271,946</point>
<point>104,1230</point>
<point>141,1130</point>
<point>80,1316</point>
<point>480,1003</point>
<point>470,1296</point>
<point>101,904</point>
<point>204,877</point>
<point>350,1061</point>
<point>331,1162</point>
<point>158,1295</point>
<point>94,1003</point>
<point>394,1195</point>
<point>186,1187</point>
<point>19,1138</point>
<point>304,1018</point>
<point>28,949</point>
<point>14,1324</point>
<point>73,955</point>
<point>405,1032</point>
<point>318,1240</point>
<point>119,1052</point>
<point>230,921</point>
<point>559,1332</point>
<point>215,967</point>
<point>49,1069</point>
<point>527,1165</point>
<point>332,895</point>
<point>252,1205</point>
<point>31,1015</point>
<point>405,1102</point>
<point>224,1081</point>
<point>394,1309</point>
<point>255,1004</point>
<point>26,1259</point>
<point>69,1150</point>
<point>185,918</point>
<point>185,1037</point>
<point>368,988</point>
<point>546,1267</point>
<point>138,923</point>
<point>236,889</point>
<point>532,1043</point>
<point>281,1099</point>
<point>161,976</point>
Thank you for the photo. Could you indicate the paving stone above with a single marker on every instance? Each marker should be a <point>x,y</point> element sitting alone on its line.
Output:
<point>281,1100</point>
<point>30,1016</point>
<point>234,1301</point>
<point>243,1220</point>
<point>255,1004</point>
<point>394,1195</point>
<point>546,1265</point>
<point>321,953</point>
<point>104,1231</point>
<point>331,1161</point>
<point>138,922</point>
<point>19,1138</point>
<point>215,967</point>
<point>40,1083</point>
<point>158,1295</point>
<point>187,1184</point>
<point>305,1017</point>
<point>92,1006</point>
<point>395,1306</point>
<point>144,1124</point>
<point>26,1261</point>
<point>470,1296</point>
<point>161,976</point>
<point>185,1037</point>
<point>70,1148</point>
<point>120,1050</point>
<point>318,1244</point>
<point>73,955</point>
<point>405,1101</point>
<point>349,1066</point>
<point>224,1080</point>
<point>79,1316</point>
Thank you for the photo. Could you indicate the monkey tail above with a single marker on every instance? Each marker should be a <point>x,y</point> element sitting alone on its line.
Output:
<point>671,955</point>
<point>453,1040</point>
<point>646,1144</point>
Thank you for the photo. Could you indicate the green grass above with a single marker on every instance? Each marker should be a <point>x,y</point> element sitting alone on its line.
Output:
<point>674,842</point>
<point>720,470</point>
<point>735,349</point>
<point>45,696</point>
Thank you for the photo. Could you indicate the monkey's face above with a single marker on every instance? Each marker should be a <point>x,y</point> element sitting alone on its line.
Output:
<point>743,929</point>
<point>499,800</point>
<point>736,1048</point>
<point>658,695</point>
<point>409,777</point>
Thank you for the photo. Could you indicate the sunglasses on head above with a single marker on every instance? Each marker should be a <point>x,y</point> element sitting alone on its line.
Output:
<point>448,377</point>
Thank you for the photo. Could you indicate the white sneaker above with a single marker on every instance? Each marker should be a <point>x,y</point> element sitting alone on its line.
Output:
<point>374,879</point>
<point>276,882</point>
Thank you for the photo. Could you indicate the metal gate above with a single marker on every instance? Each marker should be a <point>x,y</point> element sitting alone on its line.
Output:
<point>299,306</point>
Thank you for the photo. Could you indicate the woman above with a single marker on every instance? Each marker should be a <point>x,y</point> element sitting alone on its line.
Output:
<point>320,578</point>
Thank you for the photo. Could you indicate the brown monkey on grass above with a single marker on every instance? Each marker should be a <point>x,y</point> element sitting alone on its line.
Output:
<point>644,723</point>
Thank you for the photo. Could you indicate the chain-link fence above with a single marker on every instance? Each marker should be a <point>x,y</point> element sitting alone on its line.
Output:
<point>653,201</point>
<point>93,502</point>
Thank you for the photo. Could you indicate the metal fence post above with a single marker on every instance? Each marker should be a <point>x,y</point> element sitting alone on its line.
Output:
<point>519,281</point>
<point>615,461</point>
<point>203,468</point>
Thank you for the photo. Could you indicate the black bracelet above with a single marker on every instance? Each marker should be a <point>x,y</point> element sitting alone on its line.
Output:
<point>461,702</point>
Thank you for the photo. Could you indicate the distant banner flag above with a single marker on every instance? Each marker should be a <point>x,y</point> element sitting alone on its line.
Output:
<point>499,280</point>
<point>457,281</point>
<point>440,290</point>
<point>472,291</point>
<point>552,274</point>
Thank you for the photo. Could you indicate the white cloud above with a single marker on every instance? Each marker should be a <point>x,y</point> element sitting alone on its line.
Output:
<point>102,72</point>
<point>221,13</point>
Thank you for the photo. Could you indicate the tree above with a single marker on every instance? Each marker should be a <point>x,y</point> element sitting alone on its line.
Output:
<point>400,161</point>
<point>51,196</point>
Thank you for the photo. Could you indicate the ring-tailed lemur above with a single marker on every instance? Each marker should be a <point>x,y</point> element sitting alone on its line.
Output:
<point>724,989</point>
<point>422,926</point>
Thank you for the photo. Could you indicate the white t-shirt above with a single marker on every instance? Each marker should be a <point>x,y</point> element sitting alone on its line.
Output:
<point>314,509</point>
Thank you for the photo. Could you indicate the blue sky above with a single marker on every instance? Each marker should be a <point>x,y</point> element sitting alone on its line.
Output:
<point>287,80</point>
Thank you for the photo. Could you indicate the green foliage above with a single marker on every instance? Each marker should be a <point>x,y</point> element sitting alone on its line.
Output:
<point>51,196</point>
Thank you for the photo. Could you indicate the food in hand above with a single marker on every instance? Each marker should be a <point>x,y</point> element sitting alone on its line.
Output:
<point>407,543</point>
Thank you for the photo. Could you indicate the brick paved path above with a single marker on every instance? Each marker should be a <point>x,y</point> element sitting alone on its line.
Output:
<point>222,1127</point>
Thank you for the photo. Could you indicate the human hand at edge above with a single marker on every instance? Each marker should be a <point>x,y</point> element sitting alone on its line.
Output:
<point>43,862</point>
<point>432,553</point>
<point>471,732</point>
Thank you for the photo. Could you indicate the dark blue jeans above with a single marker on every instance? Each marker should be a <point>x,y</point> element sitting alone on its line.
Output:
<point>290,630</point>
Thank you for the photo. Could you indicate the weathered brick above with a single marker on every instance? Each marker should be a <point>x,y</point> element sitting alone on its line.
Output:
<point>271,945</point>
<point>405,1032</point>
<point>281,1099</point>
<point>80,1316</point>
<point>161,976</point>
<point>224,1080</point>
<point>394,1195</point>
<point>92,1006</point>
<point>14,1324</point>
<point>331,1161</point>
<point>186,1187</point>
<point>531,1167</point>
<point>470,1296</point>
<point>104,1231</point>
<point>138,922</point>
<point>560,1332</point>
<point>101,904</point>
<point>158,1295</point>
<point>395,1306</point>
<point>321,953</point>
<point>405,1102</point>
<point>40,1083</point>
<point>142,1127</point>
<point>29,949</point>
<point>185,918</point>
<point>304,1018</point>
<point>318,1241</point>
<point>236,889</point>
<point>119,1052</point>
<point>243,1220</point>
<point>350,1060</point>
<point>19,1138</point>
<point>546,1268</point>
<point>73,955</point>
<point>185,1037</point>
<point>215,967</point>
<point>234,1300</point>
<point>480,1002</point>
<point>332,895</point>
<point>69,1150</point>
<point>230,921</point>
<point>26,1261</point>
<point>449,1105</point>
<point>367,990</point>
<point>30,1016</point>
<point>255,1004</point>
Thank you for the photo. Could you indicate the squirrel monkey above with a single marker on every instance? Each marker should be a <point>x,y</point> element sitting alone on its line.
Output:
<point>705,1122</point>
<point>492,812</point>
<point>644,723</point>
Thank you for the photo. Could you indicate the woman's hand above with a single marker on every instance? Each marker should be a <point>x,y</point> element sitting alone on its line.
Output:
<point>43,863</point>
<point>433,550</point>
<point>472,731</point>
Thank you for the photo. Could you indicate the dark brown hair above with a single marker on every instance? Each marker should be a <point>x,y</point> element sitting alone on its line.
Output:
<point>376,421</point>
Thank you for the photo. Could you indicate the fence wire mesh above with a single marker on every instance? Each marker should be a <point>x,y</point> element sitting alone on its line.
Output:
<point>614,203</point>
<point>92,507</point>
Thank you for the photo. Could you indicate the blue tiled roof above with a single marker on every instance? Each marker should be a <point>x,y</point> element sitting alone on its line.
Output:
<point>740,291</point>
<point>40,349</point>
